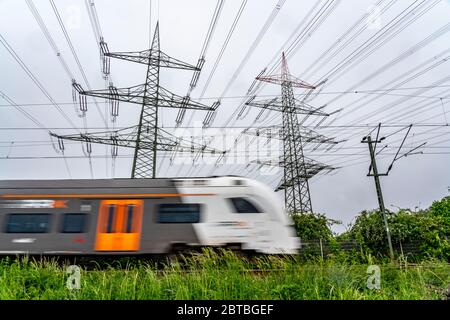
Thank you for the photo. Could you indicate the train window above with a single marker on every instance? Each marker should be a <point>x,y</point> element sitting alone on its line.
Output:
<point>179,213</point>
<point>242,205</point>
<point>28,223</point>
<point>110,222</point>
<point>74,223</point>
<point>129,225</point>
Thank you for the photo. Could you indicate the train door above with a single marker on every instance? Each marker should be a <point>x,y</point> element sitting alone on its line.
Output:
<point>119,225</point>
<point>254,223</point>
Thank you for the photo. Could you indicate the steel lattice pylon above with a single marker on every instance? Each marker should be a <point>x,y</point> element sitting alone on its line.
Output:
<point>146,138</point>
<point>297,168</point>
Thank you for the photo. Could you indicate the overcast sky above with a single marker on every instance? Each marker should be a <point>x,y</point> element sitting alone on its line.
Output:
<point>387,63</point>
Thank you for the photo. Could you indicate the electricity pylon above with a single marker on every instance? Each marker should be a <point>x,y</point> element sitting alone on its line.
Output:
<point>297,168</point>
<point>146,138</point>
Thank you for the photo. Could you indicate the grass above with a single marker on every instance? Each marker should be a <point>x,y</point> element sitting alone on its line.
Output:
<point>224,275</point>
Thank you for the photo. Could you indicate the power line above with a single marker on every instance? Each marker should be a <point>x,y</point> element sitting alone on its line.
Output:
<point>354,92</point>
<point>224,46</point>
<point>30,74</point>
<point>77,60</point>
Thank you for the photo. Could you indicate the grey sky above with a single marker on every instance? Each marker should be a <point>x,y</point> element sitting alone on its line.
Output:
<point>414,181</point>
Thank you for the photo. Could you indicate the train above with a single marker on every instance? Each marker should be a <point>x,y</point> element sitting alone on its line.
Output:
<point>142,216</point>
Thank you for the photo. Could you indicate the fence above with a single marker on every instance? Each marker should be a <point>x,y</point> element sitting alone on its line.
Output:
<point>325,248</point>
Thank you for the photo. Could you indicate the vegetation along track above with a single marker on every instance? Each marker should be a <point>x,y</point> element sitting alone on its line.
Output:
<point>225,275</point>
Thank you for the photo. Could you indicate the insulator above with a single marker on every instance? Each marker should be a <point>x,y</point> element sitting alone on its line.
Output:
<point>77,86</point>
<point>304,119</point>
<point>56,146</point>
<point>256,80</point>
<point>83,104</point>
<point>194,80</point>
<point>87,152</point>
<point>209,118</point>
<point>320,122</point>
<point>330,147</point>
<point>215,105</point>
<point>250,99</point>
<point>88,146</point>
<point>185,101</point>
<point>115,146</point>
<point>316,147</point>
<point>261,112</point>
<point>182,111</point>
<point>200,63</point>
<point>74,95</point>
<point>114,102</point>
<point>180,117</point>
<point>104,51</point>
<point>241,114</point>
<point>61,144</point>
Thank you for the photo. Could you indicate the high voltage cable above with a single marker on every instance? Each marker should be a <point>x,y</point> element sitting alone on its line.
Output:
<point>254,45</point>
<point>80,67</point>
<point>49,38</point>
<point>366,126</point>
<point>201,59</point>
<point>403,82</point>
<point>25,113</point>
<point>36,122</point>
<point>373,40</point>
<point>420,108</point>
<point>309,26</point>
<point>417,73</point>
<point>415,17</point>
<point>77,60</point>
<point>195,77</point>
<point>309,29</point>
<point>358,27</point>
<point>98,35</point>
<point>411,50</point>
<point>374,91</point>
<point>168,156</point>
<point>222,50</point>
<point>250,51</point>
<point>30,74</point>
<point>224,45</point>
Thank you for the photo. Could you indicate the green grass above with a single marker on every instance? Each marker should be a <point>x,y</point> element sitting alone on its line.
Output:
<point>223,275</point>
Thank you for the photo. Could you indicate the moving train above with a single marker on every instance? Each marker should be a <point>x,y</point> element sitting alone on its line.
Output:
<point>141,216</point>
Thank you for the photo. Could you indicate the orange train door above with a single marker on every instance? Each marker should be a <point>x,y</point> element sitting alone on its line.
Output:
<point>119,225</point>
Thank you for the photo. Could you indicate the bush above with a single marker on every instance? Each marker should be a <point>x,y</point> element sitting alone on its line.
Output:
<point>313,226</point>
<point>424,228</point>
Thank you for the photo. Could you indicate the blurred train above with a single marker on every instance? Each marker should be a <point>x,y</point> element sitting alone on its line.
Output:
<point>141,216</point>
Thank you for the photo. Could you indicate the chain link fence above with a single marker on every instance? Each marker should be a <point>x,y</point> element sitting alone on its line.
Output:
<point>324,248</point>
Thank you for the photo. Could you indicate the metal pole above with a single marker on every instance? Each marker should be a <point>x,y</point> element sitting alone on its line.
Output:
<point>380,194</point>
